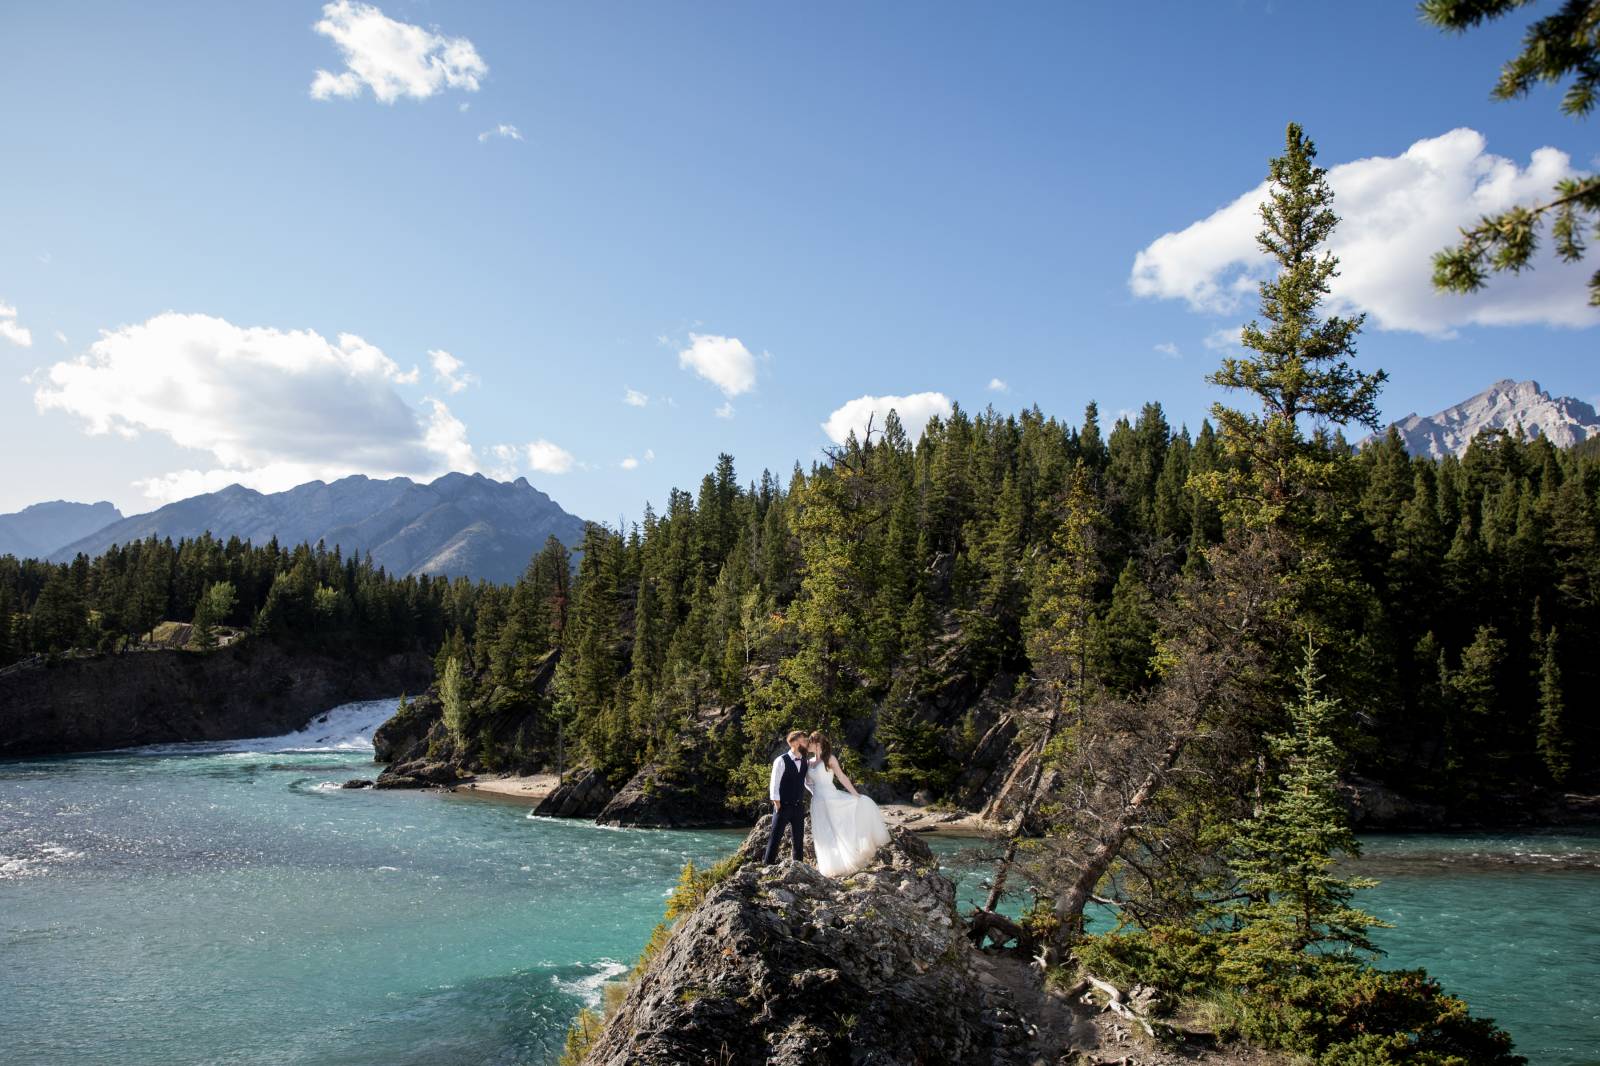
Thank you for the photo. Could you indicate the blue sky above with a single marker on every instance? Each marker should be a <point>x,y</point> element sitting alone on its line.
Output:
<point>838,200</point>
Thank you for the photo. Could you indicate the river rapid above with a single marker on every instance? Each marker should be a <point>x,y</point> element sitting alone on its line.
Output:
<point>229,903</point>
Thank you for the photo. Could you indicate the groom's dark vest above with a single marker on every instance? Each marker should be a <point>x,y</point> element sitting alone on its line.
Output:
<point>792,785</point>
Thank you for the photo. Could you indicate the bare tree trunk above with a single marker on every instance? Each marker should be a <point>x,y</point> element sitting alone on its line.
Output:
<point>1030,800</point>
<point>1070,907</point>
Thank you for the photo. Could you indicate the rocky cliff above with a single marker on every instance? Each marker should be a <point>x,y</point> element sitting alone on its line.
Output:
<point>252,688</point>
<point>781,965</point>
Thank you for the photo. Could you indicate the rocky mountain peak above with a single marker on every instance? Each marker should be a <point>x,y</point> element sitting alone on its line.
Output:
<point>1507,404</point>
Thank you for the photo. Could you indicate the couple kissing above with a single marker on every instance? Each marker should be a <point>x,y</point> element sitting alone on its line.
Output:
<point>847,828</point>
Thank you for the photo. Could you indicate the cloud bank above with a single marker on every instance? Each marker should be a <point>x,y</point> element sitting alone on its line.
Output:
<point>271,408</point>
<point>1396,212</point>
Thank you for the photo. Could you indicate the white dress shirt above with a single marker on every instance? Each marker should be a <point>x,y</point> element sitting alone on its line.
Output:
<point>777,773</point>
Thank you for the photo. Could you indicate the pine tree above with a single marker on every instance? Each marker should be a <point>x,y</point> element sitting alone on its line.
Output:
<point>453,699</point>
<point>1299,367</point>
<point>1554,738</point>
<point>216,602</point>
<point>1285,856</point>
<point>1122,636</point>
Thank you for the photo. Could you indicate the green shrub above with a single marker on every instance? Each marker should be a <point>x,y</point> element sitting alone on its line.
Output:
<point>1179,961</point>
<point>1333,1010</point>
<point>1344,1013</point>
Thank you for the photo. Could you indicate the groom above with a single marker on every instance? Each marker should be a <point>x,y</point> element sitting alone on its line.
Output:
<point>788,791</point>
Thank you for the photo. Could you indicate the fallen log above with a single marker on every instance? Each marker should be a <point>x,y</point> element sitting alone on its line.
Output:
<point>1118,1003</point>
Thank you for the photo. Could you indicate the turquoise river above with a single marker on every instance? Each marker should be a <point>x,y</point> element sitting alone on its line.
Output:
<point>229,903</point>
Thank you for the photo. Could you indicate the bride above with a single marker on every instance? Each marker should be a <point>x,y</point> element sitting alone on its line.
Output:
<point>846,827</point>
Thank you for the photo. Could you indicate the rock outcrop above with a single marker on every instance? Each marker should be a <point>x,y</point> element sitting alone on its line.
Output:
<point>421,752</point>
<point>252,688</point>
<point>683,789</point>
<point>781,965</point>
<point>582,793</point>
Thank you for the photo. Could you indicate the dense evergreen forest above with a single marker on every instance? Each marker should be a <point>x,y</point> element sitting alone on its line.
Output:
<point>896,567</point>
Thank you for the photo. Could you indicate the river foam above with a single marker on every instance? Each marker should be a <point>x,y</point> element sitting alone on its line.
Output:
<point>346,728</point>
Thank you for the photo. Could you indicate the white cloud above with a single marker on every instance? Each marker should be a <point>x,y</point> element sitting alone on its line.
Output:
<point>914,410</point>
<point>998,385</point>
<point>542,455</point>
<point>392,58</point>
<point>723,361</point>
<point>548,458</point>
<point>450,371</point>
<point>634,398</point>
<point>725,411</point>
<point>1168,349</point>
<point>62,337</point>
<point>10,330</point>
<point>649,455</point>
<point>1222,340</point>
<point>272,408</point>
<point>630,463</point>
<point>1396,211</point>
<point>504,129</point>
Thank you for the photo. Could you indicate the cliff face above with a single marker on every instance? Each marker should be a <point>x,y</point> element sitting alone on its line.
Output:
<point>781,965</point>
<point>253,688</point>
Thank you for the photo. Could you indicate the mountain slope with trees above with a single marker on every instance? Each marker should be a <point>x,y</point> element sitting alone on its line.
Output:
<point>458,525</point>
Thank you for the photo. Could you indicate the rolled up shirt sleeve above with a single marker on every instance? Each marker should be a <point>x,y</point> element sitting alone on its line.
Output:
<point>777,775</point>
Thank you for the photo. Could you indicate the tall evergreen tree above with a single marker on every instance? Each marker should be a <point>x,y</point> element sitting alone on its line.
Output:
<point>1285,856</point>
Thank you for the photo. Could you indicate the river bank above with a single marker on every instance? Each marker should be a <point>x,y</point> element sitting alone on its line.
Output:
<point>532,789</point>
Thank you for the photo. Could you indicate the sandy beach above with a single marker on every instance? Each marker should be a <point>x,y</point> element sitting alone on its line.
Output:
<point>945,821</point>
<point>530,789</point>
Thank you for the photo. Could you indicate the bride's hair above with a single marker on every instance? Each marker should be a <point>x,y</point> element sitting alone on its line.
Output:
<point>823,748</point>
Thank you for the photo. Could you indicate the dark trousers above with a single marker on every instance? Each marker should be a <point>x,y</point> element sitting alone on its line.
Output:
<point>791,815</point>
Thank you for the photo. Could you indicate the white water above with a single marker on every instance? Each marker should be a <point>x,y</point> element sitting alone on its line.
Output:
<point>348,727</point>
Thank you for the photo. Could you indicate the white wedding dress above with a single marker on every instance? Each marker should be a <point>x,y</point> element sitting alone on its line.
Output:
<point>846,830</point>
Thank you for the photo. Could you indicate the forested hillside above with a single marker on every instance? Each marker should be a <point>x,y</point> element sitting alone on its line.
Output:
<point>301,595</point>
<point>856,594</point>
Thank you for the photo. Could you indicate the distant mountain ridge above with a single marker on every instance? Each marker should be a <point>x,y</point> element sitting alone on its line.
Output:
<point>1507,404</point>
<point>36,531</point>
<point>457,525</point>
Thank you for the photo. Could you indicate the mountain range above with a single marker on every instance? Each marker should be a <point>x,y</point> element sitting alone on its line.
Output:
<point>36,531</point>
<point>457,525</point>
<point>1507,404</point>
<point>473,526</point>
